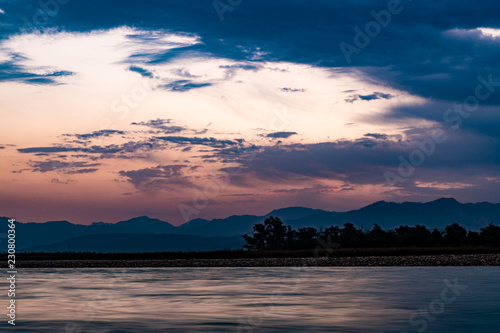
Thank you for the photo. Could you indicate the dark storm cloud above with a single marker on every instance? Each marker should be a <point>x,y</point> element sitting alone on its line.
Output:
<point>281,135</point>
<point>371,97</point>
<point>414,52</point>
<point>485,120</point>
<point>364,161</point>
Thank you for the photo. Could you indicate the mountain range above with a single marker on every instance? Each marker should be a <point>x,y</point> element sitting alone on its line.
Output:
<point>144,234</point>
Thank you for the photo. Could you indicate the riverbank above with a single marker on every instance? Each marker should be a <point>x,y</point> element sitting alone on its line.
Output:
<point>411,260</point>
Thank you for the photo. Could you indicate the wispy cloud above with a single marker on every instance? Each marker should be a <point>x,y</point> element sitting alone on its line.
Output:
<point>280,135</point>
<point>371,97</point>
<point>185,85</point>
<point>142,71</point>
<point>292,90</point>
<point>159,177</point>
<point>212,142</point>
<point>63,167</point>
<point>95,134</point>
<point>165,125</point>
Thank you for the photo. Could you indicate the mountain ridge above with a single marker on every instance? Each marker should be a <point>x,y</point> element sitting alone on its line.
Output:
<point>389,215</point>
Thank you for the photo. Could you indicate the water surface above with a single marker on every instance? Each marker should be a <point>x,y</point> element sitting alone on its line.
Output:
<point>300,299</point>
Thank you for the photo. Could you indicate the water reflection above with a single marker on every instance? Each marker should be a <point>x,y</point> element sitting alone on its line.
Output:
<point>254,299</point>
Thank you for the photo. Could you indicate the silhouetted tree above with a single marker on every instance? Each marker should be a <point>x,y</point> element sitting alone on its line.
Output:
<point>473,238</point>
<point>418,235</point>
<point>436,238</point>
<point>455,234</point>
<point>305,239</point>
<point>379,237</point>
<point>272,235</point>
<point>350,236</point>
<point>332,233</point>
<point>490,235</point>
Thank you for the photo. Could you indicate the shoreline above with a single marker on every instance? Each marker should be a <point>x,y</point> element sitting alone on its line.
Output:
<point>362,261</point>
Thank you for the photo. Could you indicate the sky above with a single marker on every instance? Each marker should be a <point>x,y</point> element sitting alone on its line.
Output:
<point>182,109</point>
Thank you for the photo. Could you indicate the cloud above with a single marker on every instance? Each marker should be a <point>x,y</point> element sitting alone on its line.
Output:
<point>281,135</point>
<point>437,56</point>
<point>62,167</point>
<point>377,135</point>
<point>185,85</point>
<point>108,151</point>
<point>371,97</point>
<point>14,70</point>
<point>241,66</point>
<point>317,189</point>
<point>159,177</point>
<point>161,124</point>
<point>365,160</point>
<point>232,69</point>
<point>183,72</point>
<point>96,134</point>
<point>292,90</point>
<point>81,171</point>
<point>62,182</point>
<point>48,150</point>
<point>211,142</point>
<point>142,71</point>
<point>442,185</point>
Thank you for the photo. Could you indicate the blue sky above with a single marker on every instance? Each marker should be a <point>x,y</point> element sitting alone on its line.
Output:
<point>186,109</point>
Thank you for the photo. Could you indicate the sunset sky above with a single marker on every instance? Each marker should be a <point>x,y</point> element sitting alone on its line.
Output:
<point>183,109</point>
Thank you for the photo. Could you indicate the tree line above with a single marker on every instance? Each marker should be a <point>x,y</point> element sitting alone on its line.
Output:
<point>274,235</point>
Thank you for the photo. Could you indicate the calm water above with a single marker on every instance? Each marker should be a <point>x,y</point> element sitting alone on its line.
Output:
<point>258,300</point>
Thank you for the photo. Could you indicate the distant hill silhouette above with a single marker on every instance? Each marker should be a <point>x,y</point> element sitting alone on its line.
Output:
<point>389,215</point>
<point>144,225</point>
<point>133,243</point>
<point>61,234</point>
